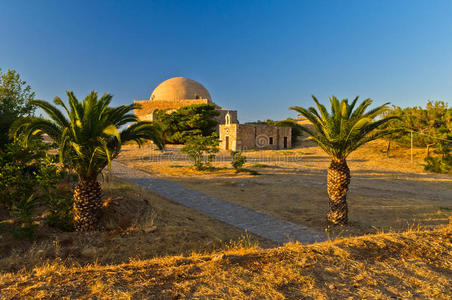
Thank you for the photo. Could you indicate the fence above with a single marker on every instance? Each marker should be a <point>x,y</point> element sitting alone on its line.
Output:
<point>420,133</point>
<point>176,156</point>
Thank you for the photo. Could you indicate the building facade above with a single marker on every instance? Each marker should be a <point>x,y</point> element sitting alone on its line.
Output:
<point>179,91</point>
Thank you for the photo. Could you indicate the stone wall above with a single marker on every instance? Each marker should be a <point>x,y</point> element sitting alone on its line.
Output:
<point>228,136</point>
<point>255,136</point>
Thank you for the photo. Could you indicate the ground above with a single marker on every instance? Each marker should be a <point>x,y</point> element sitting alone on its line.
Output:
<point>138,224</point>
<point>386,193</point>
<point>155,248</point>
<point>411,265</point>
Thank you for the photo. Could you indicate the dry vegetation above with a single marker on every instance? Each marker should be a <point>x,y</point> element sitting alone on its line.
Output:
<point>154,248</point>
<point>139,225</point>
<point>415,264</point>
<point>386,193</point>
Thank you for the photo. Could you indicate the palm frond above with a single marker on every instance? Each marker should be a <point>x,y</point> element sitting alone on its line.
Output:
<point>88,136</point>
<point>344,129</point>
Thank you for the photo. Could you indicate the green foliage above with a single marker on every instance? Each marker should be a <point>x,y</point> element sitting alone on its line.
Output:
<point>25,232</point>
<point>438,164</point>
<point>435,120</point>
<point>27,176</point>
<point>25,171</point>
<point>15,102</point>
<point>201,149</point>
<point>196,119</point>
<point>87,132</point>
<point>238,160</point>
<point>60,212</point>
<point>345,128</point>
<point>22,210</point>
<point>297,129</point>
<point>431,126</point>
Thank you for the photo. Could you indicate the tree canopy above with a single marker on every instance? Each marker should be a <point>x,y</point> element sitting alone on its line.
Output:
<point>15,102</point>
<point>89,136</point>
<point>191,120</point>
<point>345,128</point>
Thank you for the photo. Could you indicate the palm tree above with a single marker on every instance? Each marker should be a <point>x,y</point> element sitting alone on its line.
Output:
<point>339,133</point>
<point>88,138</point>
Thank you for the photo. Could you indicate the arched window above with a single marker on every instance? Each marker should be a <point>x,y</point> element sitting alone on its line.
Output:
<point>227,119</point>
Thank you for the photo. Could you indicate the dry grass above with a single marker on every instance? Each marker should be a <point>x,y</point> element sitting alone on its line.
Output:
<point>414,264</point>
<point>386,193</point>
<point>139,225</point>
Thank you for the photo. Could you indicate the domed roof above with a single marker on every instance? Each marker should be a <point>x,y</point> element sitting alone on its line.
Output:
<point>179,88</point>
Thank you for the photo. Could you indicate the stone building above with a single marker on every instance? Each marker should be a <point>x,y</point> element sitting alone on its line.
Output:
<point>179,91</point>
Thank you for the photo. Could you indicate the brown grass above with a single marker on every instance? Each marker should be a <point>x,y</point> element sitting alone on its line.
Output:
<point>386,193</point>
<point>139,225</point>
<point>414,264</point>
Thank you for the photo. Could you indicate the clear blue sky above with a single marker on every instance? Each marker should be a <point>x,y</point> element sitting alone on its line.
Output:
<point>258,57</point>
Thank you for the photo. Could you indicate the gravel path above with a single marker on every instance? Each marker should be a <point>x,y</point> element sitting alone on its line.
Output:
<point>253,221</point>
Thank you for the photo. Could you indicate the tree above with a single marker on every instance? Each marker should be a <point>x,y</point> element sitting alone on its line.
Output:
<point>88,138</point>
<point>339,133</point>
<point>15,98</point>
<point>396,126</point>
<point>191,120</point>
<point>238,160</point>
<point>432,127</point>
<point>201,149</point>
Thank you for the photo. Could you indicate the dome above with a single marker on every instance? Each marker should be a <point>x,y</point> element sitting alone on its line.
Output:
<point>180,88</point>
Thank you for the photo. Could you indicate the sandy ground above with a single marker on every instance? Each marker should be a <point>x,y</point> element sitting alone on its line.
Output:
<point>386,193</point>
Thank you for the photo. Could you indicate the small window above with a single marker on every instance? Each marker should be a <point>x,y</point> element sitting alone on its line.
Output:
<point>227,119</point>
<point>270,140</point>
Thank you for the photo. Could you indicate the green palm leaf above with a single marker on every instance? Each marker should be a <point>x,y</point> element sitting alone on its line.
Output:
<point>88,133</point>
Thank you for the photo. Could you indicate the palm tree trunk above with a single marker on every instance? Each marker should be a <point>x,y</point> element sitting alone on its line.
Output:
<point>338,181</point>
<point>87,205</point>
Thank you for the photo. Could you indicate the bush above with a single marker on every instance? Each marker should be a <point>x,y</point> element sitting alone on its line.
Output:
<point>438,164</point>
<point>22,210</point>
<point>27,178</point>
<point>201,150</point>
<point>24,171</point>
<point>60,212</point>
<point>238,160</point>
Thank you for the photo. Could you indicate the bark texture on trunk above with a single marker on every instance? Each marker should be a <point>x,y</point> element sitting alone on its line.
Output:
<point>87,205</point>
<point>338,181</point>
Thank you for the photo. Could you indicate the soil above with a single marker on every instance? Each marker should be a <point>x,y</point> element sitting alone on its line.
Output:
<point>387,192</point>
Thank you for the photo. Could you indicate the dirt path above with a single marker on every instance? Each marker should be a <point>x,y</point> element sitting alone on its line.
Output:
<point>245,218</point>
<point>386,192</point>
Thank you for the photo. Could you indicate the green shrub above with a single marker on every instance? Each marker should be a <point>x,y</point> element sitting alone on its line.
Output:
<point>238,160</point>
<point>438,164</point>
<point>22,209</point>
<point>201,150</point>
<point>25,232</point>
<point>27,177</point>
<point>60,212</point>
